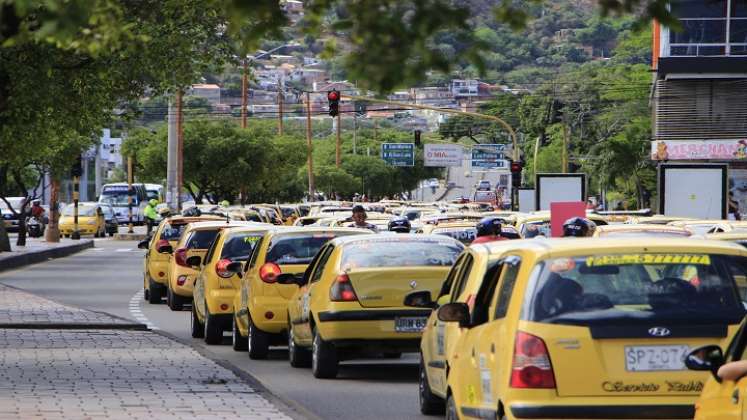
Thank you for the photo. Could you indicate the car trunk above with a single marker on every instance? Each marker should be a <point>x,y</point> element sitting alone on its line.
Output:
<point>382,287</point>
<point>625,360</point>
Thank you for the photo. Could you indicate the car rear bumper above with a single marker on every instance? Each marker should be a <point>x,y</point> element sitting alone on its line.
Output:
<point>653,411</point>
<point>353,327</point>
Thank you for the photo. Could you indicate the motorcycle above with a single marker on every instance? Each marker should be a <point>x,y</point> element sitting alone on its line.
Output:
<point>35,227</point>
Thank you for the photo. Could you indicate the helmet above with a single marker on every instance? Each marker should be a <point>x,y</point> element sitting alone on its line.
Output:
<point>399,225</point>
<point>489,226</point>
<point>153,202</point>
<point>36,202</point>
<point>579,227</point>
<point>225,203</point>
<point>165,212</point>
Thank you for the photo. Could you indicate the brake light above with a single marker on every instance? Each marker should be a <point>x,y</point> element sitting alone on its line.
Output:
<point>531,365</point>
<point>269,272</point>
<point>342,290</point>
<point>180,257</point>
<point>220,268</point>
<point>181,280</point>
<point>162,242</point>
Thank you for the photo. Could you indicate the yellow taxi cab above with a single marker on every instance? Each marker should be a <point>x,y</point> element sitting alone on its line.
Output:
<point>739,237</point>
<point>218,278</point>
<point>91,220</point>
<point>699,227</point>
<point>261,305</point>
<point>538,224</point>
<point>657,219</point>
<point>380,220</point>
<point>730,226</point>
<point>350,303</point>
<point>591,328</point>
<point>290,213</point>
<point>638,231</point>
<point>195,240</point>
<point>159,246</point>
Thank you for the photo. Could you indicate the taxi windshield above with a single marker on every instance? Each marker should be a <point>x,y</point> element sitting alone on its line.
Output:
<point>83,211</point>
<point>400,253</point>
<point>239,246</point>
<point>172,232</point>
<point>298,249</point>
<point>598,289</point>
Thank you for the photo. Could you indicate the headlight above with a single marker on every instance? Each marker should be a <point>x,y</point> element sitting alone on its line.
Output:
<point>91,222</point>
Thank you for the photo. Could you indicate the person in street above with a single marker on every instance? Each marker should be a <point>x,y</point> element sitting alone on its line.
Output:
<point>578,227</point>
<point>359,219</point>
<point>399,225</point>
<point>37,211</point>
<point>489,229</point>
<point>150,215</point>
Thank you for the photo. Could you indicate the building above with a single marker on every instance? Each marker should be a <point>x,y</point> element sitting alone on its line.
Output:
<point>464,88</point>
<point>210,92</point>
<point>700,87</point>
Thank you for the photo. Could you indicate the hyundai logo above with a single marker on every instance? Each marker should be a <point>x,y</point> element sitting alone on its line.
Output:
<point>659,331</point>
<point>413,284</point>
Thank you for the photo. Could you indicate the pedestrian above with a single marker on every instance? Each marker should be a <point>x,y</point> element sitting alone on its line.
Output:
<point>489,229</point>
<point>734,213</point>
<point>359,219</point>
<point>150,215</point>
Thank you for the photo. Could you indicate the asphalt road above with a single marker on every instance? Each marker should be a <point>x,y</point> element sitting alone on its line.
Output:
<point>109,276</point>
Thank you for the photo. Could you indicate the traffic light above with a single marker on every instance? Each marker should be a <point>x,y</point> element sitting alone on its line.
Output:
<point>77,168</point>
<point>333,96</point>
<point>516,168</point>
<point>417,137</point>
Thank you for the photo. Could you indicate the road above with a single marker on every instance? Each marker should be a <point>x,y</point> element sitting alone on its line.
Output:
<point>464,183</point>
<point>108,278</point>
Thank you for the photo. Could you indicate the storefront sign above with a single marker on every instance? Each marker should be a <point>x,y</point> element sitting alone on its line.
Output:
<point>443,155</point>
<point>699,150</point>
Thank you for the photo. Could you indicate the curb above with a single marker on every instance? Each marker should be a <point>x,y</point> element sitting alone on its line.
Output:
<point>73,326</point>
<point>16,261</point>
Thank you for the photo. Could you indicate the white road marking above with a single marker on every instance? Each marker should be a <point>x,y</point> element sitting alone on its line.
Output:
<point>123,250</point>
<point>137,312</point>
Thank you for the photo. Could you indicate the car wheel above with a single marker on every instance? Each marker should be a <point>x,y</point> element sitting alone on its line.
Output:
<point>429,404</point>
<point>197,328</point>
<point>324,363</point>
<point>146,294</point>
<point>155,293</point>
<point>451,409</point>
<point>299,357</point>
<point>258,342</point>
<point>111,234</point>
<point>174,301</point>
<point>239,343</point>
<point>213,329</point>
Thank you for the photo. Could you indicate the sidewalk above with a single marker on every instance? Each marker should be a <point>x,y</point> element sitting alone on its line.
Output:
<point>110,374</point>
<point>37,250</point>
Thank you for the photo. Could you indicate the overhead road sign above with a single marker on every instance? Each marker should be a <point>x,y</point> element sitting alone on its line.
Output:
<point>398,154</point>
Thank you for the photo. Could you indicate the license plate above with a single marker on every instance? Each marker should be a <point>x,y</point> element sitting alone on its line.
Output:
<point>655,358</point>
<point>409,323</point>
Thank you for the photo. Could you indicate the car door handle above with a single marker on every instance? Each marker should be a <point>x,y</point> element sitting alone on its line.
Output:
<point>492,348</point>
<point>735,396</point>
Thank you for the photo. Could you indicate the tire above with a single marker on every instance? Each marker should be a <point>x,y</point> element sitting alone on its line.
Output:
<point>146,294</point>
<point>258,342</point>
<point>299,357</point>
<point>324,362</point>
<point>111,234</point>
<point>239,343</point>
<point>174,301</point>
<point>155,293</point>
<point>430,404</point>
<point>451,409</point>
<point>198,330</point>
<point>213,329</point>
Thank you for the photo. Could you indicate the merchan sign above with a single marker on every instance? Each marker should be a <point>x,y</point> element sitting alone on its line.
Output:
<point>398,154</point>
<point>443,155</point>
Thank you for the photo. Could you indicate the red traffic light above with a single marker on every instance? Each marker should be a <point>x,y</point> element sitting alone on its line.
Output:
<point>516,167</point>
<point>333,95</point>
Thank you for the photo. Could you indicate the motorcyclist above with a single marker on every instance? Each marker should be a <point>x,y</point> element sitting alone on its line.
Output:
<point>150,215</point>
<point>359,219</point>
<point>399,225</point>
<point>489,229</point>
<point>578,227</point>
<point>37,211</point>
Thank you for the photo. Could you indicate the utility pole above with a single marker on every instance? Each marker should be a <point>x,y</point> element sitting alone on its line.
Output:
<point>309,149</point>
<point>76,197</point>
<point>180,150</point>
<point>564,155</point>
<point>355,131</point>
<point>338,144</point>
<point>281,87</point>
<point>244,86</point>
<point>172,191</point>
<point>130,193</point>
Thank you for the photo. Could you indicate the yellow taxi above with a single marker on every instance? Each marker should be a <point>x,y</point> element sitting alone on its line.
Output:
<point>195,240</point>
<point>739,237</point>
<point>159,246</point>
<point>261,306</point>
<point>350,303</point>
<point>465,231</point>
<point>699,227</point>
<point>218,280</point>
<point>730,226</point>
<point>91,220</point>
<point>657,219</point>
<point>591,328</point>
<point>641,231</point>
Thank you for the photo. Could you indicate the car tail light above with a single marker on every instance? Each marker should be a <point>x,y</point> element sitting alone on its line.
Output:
<point>220,268</point>
<point>342,290</point>
<point>180,257</point>
<point>162,242</point>
<point>181,280</point>
<point>269,272</point>
<point>531,365</point>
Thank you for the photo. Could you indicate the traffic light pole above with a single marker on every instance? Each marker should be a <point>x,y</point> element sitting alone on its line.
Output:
<point>130,193</point>
<point>309,149</point>
<point>76,197</point>
<point>338,144</point>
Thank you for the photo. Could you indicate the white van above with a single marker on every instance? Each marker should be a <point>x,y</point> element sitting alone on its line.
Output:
<point>116,195</point>
<point>155,191</point>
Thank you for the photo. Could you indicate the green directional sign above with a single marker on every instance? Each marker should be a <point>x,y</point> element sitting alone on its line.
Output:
<point>398,154</point>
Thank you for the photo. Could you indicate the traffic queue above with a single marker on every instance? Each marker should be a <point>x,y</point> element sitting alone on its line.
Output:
<point>622,316</point>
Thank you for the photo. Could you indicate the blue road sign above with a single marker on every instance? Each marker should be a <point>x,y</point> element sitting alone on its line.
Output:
<point>489,156</point>
<point>398,154</point>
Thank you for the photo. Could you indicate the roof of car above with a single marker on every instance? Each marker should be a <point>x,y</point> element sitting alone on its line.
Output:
<point>641,227</point>
<point>291,230</point>
<point>399,237</point>
<point>222,223</point>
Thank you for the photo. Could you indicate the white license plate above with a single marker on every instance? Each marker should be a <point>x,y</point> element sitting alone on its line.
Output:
<point>655,358</point>
<point>410,323</point>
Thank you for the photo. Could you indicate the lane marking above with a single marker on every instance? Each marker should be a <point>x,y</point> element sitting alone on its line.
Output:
<point>137,312</point>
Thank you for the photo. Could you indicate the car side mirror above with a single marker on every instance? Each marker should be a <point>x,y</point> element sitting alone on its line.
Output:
<point>420,299</point>
<point>709,358</point>
<point>455,312</point>
<point>165,249</point>
<point>288,278</point>
<point>194,261</point>
<point>143,244</point>
<point>236,267</point>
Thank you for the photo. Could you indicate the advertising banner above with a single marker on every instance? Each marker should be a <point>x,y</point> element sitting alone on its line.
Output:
<point>699,150</point>
<point>562,211</point>
<point>443,155</point>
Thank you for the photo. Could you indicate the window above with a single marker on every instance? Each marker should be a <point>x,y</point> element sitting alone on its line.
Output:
<point>709,28</point>
<point>239,247</point>
<point>461,282</point>
<point>201,239</point>
<point>400,252</point>
<point>446,287</point>
<point>485,294</point>
<point>319,268</point>
<point>255,253</point>
<point>512,266</point>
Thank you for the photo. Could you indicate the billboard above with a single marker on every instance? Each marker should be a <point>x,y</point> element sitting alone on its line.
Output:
<point>551,188</point>
<point>443,155</point>
<point>699,149</point>
<point>699,191</point>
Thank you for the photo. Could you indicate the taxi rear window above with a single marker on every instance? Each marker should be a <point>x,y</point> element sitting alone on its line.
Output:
<point>400,253</point>
<point>201,239</point>
<point>599,289</point>
<point>172,232</point>
<point>240,246</point>
<point>298,249</point>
